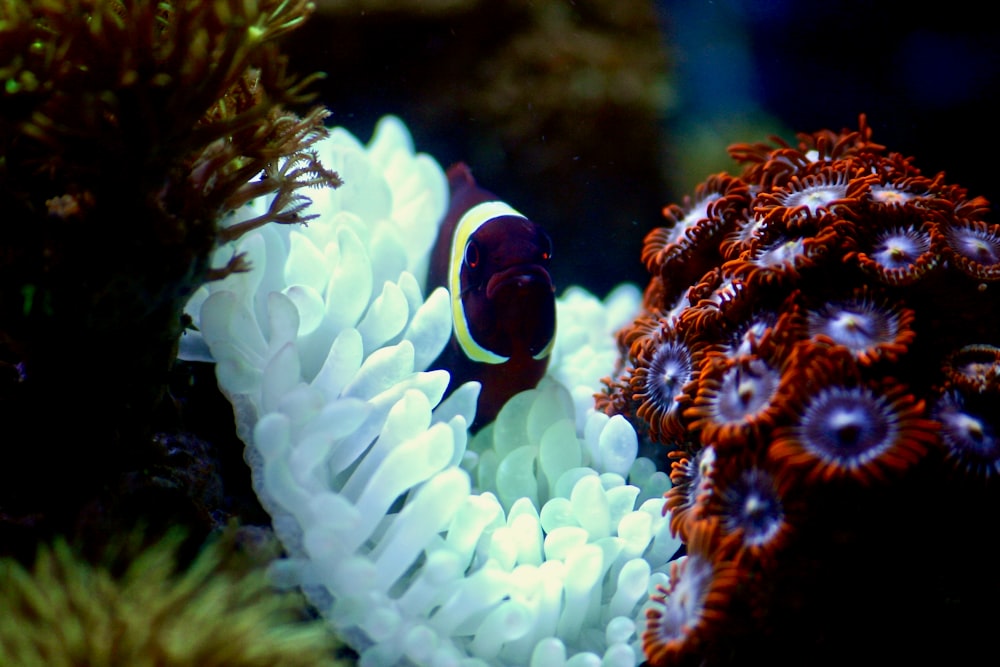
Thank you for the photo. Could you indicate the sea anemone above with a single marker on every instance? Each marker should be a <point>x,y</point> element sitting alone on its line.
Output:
<point>532,543</point>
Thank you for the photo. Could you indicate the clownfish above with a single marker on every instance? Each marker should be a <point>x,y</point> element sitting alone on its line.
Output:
<point>495,263</point>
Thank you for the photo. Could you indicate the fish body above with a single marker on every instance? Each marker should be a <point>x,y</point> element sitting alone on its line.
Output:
<point>494,262</point>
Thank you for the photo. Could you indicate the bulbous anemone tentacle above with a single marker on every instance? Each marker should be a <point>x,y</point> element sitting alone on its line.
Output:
<point>420,543</point>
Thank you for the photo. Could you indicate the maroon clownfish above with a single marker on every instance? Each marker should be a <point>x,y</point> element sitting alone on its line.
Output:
<point>494,262</point>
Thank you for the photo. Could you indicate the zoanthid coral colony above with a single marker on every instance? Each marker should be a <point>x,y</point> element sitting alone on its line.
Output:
<point>817,346</point>
<point>535,542</point>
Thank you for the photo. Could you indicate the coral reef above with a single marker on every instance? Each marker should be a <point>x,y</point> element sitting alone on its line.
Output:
<point>536,542</point>
<point>817,348</point>
<point>150,608</point>
<point>127,129</point>
<point>815,361</point>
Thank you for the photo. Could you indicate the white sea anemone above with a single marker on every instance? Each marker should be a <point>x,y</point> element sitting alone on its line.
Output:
<point>535,543</point>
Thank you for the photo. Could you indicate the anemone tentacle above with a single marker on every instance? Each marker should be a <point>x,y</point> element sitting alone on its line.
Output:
<point>540,536</point>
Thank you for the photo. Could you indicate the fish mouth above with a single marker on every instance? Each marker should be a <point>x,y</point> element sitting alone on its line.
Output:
<point>519,278</point>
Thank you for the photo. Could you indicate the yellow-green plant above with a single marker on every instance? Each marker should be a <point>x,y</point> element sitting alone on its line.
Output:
<point>65,612</point>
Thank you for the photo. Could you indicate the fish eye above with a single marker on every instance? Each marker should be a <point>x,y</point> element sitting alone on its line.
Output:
<point>545,244</point>
<point>472,254</point>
